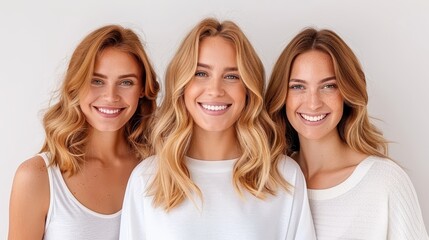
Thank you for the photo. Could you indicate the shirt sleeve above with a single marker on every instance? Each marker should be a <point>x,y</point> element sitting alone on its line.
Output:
<point>405,217</point>
<point>132,219</point>
<point>301,219</point>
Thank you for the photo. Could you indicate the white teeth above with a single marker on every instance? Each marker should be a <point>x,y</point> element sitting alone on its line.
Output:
<point>108,111</point>
<point>214,107</point>
<point>313,118</point>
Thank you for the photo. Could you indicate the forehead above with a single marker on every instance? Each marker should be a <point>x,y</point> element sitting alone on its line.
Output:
<point>313,64</point>
<point>115,59</point>
<point>216,48</point>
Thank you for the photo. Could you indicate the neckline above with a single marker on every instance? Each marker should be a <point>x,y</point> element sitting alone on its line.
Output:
<point>357,175</point>
<point>213,166</point>
<point>69,194</point>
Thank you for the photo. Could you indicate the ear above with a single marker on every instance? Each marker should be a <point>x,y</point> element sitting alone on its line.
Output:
<point>141,94</point>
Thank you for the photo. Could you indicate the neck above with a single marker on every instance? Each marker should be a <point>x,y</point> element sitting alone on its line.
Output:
<point>321,155</point>
<point>107,146</point>
<point>214,145</point>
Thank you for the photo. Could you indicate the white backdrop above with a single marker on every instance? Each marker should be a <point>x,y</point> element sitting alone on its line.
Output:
<point>390,37</point>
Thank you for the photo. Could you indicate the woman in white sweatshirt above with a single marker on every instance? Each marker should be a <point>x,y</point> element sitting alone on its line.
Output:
<point>317,96</point>
<point>214,175</point>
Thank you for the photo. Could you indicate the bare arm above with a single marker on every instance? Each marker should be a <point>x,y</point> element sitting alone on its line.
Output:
<point>29,201</point>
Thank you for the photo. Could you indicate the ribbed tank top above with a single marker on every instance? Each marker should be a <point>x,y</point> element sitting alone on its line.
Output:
<point>67,218</point>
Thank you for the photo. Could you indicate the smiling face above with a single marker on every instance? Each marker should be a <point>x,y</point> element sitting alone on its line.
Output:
<point>216,95</point>
<point>314,105</point>
<point>113,92</point>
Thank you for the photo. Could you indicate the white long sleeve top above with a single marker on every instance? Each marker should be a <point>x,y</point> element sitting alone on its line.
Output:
<point>222,214</point>
<point>377,201</point>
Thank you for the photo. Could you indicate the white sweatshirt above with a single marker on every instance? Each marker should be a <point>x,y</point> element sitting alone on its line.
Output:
<point>377,201</point>
<point>222,214</point>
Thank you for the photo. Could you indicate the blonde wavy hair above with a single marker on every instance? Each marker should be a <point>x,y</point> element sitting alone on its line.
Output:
<point>255,171</point>
<point>355,128</point>
<point>65,125</point>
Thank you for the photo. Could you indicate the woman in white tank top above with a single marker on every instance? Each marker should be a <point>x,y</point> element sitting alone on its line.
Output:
<point>95,136</point>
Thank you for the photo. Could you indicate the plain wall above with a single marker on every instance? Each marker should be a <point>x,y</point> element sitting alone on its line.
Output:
<point>390,37</point>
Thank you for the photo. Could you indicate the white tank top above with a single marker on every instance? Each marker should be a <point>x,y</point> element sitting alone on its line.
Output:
<point>68,219</point>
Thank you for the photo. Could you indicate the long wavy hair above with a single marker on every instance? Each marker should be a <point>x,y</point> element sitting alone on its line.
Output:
<point>65,125</point>
<point>354,128</point>
<point>255,171</point>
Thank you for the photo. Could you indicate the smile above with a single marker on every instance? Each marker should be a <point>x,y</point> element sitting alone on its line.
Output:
<point>109,111</point>
<point>313,118</point>
<point>215,107</point>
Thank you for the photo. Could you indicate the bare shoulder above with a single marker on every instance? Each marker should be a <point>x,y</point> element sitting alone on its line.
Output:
<point>29,200</point>
<point>31,182</point>
<point>32,172</point>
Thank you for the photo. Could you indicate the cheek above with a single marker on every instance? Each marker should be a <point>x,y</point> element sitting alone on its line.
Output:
<point>85,99</point>
<point>188,97</point>
<point>337,102</point>
<point>241,97</point>
<point>138,93</point>
<point>290,114</point>
<point>239,93</point>
<point>90,95</point>
<point>192,91</point>
<point>130,93</point>
<point>291,103</point>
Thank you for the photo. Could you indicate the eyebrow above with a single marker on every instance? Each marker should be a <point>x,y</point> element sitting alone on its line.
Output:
<point>303,81</point>
<point>211,68</point>
<point>121,76</point>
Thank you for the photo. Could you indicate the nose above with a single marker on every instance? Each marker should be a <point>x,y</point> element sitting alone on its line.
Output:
<point>215,87</point>
<point>111,93</point>
<point>314,100</point>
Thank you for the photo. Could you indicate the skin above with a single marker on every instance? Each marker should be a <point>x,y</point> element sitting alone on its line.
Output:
<point>101,183</point>
<point>215,98</point>
<point>114,91</point>
<point>314,107</point>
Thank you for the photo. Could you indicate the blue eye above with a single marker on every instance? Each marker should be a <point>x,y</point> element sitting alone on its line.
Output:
<point>200,74</point>
<point>127,83</point>
<point>296,87</point>
<point>232,77</point>
<point>330,86</point>
<point>96,82</point>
